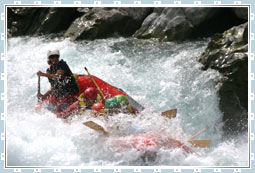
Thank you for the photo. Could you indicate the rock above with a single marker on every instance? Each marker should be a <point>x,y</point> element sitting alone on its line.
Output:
<point>167,24</point>
<point>103,22</point>
<point>241,13</point>
<point>170,24</point>
<point>57,19</point>
<point>37,21</point>
<point>228,54</point>
<point>20,20</point>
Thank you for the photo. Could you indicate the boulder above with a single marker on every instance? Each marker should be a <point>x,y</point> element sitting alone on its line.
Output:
<point>228,54</point>
<point>241,13</point>
<point>103,22</point>
<point>57,19</point>
<point>36,21</point>
<point>165,24</point>
<point>170,24</point>
<point>20,20</point>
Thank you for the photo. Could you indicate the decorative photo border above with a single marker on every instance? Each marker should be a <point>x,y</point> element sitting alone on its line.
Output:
<point>139,3</point>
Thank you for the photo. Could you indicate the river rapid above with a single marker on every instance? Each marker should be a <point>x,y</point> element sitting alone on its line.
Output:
<point>158,75</point>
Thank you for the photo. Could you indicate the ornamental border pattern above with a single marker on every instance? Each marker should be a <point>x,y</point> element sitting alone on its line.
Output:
<point>134,3</point>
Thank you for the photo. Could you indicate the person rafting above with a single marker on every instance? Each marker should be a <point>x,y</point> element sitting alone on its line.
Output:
<point>118,104</point>
<point>63,83</point>
<point>85,101</point>
<point>98,109</point>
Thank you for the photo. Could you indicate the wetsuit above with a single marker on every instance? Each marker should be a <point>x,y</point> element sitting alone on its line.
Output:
<point>66,85</point>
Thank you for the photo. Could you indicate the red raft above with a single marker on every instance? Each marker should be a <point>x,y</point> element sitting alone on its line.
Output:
<point>84,82</point>
<point>108,90</point>
<point>150,141</point>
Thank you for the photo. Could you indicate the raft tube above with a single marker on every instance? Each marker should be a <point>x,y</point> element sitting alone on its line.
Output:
<point>108,90</point>
<point>149,141</point>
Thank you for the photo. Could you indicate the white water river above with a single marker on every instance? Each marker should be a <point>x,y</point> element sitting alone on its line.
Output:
<point>160,76</point>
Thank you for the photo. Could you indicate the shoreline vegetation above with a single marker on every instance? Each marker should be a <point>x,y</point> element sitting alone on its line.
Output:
<point>227,50</point>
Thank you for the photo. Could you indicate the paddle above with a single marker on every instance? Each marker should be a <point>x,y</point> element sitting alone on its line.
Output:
<point>94,82</point>
<point>200,143</point>
<point>133,103</point>
<point>38,105</point>
<point>194,143</point>
<point>198,133</point>
<point>39,89</point>
<point>170,113</point>
<point>95,126</point>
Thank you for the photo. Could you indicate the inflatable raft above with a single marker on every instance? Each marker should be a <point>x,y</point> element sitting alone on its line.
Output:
<point>84,82</point>
<point>108,90</point>
<point>150,141</point>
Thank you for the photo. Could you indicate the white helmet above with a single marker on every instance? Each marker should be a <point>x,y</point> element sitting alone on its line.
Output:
<point>53,52</point>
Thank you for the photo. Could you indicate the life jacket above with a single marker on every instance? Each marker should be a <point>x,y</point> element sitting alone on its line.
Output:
<point>75,75</point>
<point>129,110</point>
<point>65,85</point>
<point>83,104</point>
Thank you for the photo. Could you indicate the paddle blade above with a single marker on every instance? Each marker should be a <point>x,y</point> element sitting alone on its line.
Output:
<point>170,113</point>
<point>95,126</point>
<point>200,143</point>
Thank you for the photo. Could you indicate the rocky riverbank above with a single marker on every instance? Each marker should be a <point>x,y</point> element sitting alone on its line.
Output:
<point>228,54</point>
<point>227,51</point>
<point>168,24</point>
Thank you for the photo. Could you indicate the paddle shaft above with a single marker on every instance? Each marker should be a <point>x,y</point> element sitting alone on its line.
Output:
<point>39,88</point>
<point>199,133</point>
<point>94,82</point>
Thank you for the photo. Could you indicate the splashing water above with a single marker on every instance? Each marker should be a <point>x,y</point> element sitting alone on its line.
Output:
<point>158,75</point>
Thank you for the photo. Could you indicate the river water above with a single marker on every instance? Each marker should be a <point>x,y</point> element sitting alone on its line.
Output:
<point>160,76</point>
